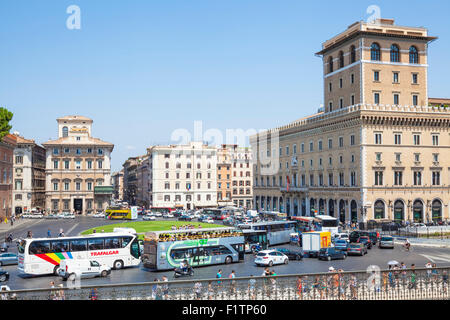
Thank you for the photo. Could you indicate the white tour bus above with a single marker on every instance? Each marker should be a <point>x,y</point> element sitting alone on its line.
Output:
<point>42,256</point>
<point>328,223</point>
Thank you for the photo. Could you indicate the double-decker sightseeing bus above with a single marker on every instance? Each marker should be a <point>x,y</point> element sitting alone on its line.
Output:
<point>278,232</point>
<point>216,214</point>
<point>165,250</point>
<point>42,256</point>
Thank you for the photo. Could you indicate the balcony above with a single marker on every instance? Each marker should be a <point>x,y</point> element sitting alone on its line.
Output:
<point>103,190</point>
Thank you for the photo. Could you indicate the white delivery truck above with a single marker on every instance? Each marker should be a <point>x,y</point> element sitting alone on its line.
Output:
<point>82,268</point>
<point>312,242</point>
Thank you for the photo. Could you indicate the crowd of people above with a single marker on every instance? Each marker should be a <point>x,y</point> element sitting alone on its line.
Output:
<point>195,235</point>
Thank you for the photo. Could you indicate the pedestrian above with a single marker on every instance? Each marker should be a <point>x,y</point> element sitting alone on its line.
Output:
<point>353,287</point>
<point>12,222</point>
<point>93,295</point>
<point>94,231</point>
<point>29,234</point>
<point>251,288</point>
<point>154,289</point>
<point>444,281</point>
<point>428,266</point>
<point>219,276</point>
<point>198,290</point>
<point>52,295</point>
<point>403,267</point>
<point>233,282</point>
<point>165,288</point>
<point>435,273</point>
<point>412,284</point>
<point>299,288</point>
<point>49,234</point>
<point>61,293</point>
<point>210,290</point>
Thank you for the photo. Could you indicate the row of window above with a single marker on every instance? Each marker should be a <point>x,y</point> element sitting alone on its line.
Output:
<point>398,178</point>
<point>187,197</point>
<point>188,156</point>
<point>188,165</point>
<point>78,151</point>
<point>341,144</point>
<point>375,55</point>
<point>78,186</point>
<point>77,164</point>
<point>188,175</point>
<point>66,204</point>
<point>188,185</point>
<point>341,180</point>
<point>398,138</point>
<point>396,77</point>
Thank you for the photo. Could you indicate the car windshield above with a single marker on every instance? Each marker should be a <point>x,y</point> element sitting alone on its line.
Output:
<point>341,242</point>
<point>323,250</point>
<point>354,245</point>
<point>386,239</point>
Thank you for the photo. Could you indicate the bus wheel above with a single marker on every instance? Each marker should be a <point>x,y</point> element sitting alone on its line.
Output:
<point>228,260</point>
<point>118,264</point>
<point>55,270</point>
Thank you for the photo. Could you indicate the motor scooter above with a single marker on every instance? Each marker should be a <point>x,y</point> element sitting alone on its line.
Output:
<point>180,272</point>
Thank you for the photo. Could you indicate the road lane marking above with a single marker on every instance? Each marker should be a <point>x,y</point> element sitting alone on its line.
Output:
<point>439,257</point>
<point>71,229</point>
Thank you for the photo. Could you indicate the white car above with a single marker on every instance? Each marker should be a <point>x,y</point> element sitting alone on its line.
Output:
<point>270,257</point>
<point>169,215</point>
<point>209,220</point>
<point>99,215</point>
<point>158,214</point>
<point>69,216</point>
<point>342,236</point>
<point>36,216</point>
<point>148,217</point>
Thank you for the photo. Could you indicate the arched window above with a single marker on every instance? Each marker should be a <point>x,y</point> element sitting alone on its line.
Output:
<point>379,210</point>
<point>399,211</point>
<point>395,53</point>
<point>341,59</point>
<point>330,64</point>
<point>352,54</point>
<point>375,53</point>
<point>413,55</point>
<point>436,210</point>
<point>65,132</point>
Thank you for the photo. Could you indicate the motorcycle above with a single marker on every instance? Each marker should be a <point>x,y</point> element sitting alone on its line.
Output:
<point>179,272</point>
<point>256,248</point>
<point>4,248</point>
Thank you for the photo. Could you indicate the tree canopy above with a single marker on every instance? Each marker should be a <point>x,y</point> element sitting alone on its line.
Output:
<point>5,117</point>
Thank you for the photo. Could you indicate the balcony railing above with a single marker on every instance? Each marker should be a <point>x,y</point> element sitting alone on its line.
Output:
<point>407,284</point>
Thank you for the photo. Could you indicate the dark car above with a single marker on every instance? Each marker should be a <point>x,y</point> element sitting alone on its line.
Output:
<point>292,254</point>
<point>331,254</point>
<point>356,249</point>
<point>366,241</point>
<point>4,275</point>
<point>185,218</point>
<point>355,235</point>
<point>374,237</point>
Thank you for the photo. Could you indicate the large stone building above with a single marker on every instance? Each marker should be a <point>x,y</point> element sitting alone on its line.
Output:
<point>78,168</point>
<point>178,176</point>
<point>377,150</point>
<point>234,176</point>
<point>28,176</point>
<point>7,146</point>
<point>117,183</point>
<point>130,180</point>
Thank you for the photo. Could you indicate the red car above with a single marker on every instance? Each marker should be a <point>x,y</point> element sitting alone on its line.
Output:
<point>366,240</point>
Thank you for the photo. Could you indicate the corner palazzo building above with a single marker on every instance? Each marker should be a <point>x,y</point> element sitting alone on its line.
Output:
<point>78,169</point>
<point>378,150</point>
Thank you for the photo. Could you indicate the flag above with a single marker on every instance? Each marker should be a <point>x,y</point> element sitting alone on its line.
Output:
<point>288,182</point>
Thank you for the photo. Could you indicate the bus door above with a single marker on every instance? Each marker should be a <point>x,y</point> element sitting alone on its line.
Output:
<point>262,239</point>
<point>240,248</point>
<point>199,257</point>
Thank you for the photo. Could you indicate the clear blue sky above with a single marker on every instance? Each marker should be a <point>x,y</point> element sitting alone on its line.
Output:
<point>142,69</point>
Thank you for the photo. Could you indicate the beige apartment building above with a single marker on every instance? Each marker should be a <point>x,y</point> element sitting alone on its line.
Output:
<point>379,148</point>
<point>78,168</point>
<point>234,176</point>
<point>117,183</point>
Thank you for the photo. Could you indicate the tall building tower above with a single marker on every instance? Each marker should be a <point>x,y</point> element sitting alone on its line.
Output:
<point>376,63</point>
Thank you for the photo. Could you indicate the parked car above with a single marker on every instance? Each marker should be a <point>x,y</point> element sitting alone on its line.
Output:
<point>8,259</point>
<point>209,220</point>
<point>158,214</point>
<point>185,218</point>
<point>418,225</point>
<point>69,215</point>
<point>342,236</point>
<point>270,257</point>
<point>291,254</point>
<point>70,268</point>
<point>331,254</point>
<point>356,249</point>
<point>99,215</point>
<point>148,217</point>
<point>341,244</point>
<point>4,275</point>
<point>51,216</point>
<point>366,241</point>
<point>36,216</point>
<point>169,215</point>
<point>386,242</point>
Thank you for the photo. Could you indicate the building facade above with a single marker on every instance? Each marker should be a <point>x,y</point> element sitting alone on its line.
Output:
<point>7,146</point>
<point>28,176</point>
<point>182,176</point>
<point>378,149</point>
<point>117,183</point>
<point>130,180</point>
<point>78,169</point>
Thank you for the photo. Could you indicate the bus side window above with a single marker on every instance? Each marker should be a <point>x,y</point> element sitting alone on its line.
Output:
<point>78,245</point>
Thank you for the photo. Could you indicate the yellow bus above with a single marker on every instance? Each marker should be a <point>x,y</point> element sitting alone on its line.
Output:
<point>121,213</point>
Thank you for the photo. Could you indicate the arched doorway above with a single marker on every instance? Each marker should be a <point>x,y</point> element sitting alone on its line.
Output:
<point>321,207</point>
<point>399,211</point>
<point>303,207</point>
<point>418,211</point>
<point>281,204</point>
<point>436,210</point>
<point>331,207</point>
<point>268,203</point>
<point>257,203</point>
<point>312,207</point>
<point>274,203</point>
<point>295,206</point>
<point>342,211</point>
<point>263,203</point>
<point>18,210</point>
<point>379,210</point>
<point>288,206</point>
<point>353,211</point>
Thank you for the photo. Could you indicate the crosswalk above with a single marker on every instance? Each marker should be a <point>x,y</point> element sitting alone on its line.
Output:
<point>435,258</point>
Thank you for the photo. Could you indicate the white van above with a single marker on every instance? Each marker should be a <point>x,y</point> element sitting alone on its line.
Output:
<point>70,268</point>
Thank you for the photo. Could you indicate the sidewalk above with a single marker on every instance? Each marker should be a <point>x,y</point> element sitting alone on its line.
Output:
<point>435,243</point>
<point>7,228</point>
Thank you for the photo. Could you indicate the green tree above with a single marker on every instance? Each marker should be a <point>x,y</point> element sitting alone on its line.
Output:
<point>5,117</point>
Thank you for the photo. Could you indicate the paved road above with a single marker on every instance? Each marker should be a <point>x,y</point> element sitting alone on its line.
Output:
<point>376,256</point>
